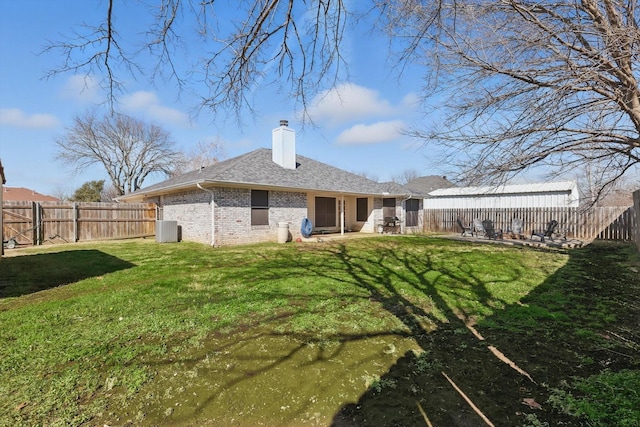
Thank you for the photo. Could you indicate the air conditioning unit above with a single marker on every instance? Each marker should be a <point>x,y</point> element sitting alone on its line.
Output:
<point>166,231</point>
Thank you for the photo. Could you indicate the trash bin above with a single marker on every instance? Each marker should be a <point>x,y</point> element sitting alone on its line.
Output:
<point>283,232</point>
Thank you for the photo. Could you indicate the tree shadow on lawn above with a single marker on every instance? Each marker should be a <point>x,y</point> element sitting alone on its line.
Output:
<point>563,328</point>
<point>27,274</point>
<point>415,385</point>
<point>424,385</point>
<point>501,369</point>
<point>230,376</point>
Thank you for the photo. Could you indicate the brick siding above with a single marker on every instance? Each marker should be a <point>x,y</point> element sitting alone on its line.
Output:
<point>192,210</point>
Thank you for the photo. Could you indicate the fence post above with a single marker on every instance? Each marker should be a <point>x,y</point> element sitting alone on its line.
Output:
<point>37,223</point>
<point>75,221</point>
<point>40,210</point>
<point>34,226</point>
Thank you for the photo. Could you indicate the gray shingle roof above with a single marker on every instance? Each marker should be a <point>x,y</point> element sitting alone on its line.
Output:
<point>256,168</point>
<point>394,188</point>
<point>426,184</point>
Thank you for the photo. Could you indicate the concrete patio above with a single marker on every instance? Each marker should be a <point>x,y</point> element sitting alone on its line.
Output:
<point>537,243</point>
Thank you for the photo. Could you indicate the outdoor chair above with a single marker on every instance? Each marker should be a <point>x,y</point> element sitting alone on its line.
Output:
<point>517,229</point>
<point>478,228</point>
<point>466,231</point>
<point>391,224</point>
<point>547,233</point>
<point>486,229</point>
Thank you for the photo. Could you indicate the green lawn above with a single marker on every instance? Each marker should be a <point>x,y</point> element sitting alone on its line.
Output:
<point>375,331</point>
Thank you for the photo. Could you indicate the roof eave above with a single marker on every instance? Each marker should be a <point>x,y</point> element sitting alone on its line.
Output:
<point>299,189</point>
<point>141,194</point>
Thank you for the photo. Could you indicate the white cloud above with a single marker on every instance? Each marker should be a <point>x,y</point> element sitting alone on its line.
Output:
<point>372,134</point>
<point>411,100</point>
<point>82,88</point>
<point>149,104</point>
<point>140,100</point>
<point>349,102</point>
<point>15,117</point>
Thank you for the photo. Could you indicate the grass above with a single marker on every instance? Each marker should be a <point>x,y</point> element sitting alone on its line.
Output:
<point>609,398</point>
<point>135,332</point>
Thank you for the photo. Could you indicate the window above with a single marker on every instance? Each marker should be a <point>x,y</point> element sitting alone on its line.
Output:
<point>325,212</point>
<point>389,208</point>
<point>362,209</point>
<point>413,206</point>
<point>259,207</point>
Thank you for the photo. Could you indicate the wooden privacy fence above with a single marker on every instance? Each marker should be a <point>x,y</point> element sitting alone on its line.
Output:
<point>608,223</point>
<point>35,223</point>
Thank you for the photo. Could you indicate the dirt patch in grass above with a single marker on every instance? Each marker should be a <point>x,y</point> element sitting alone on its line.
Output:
<point>259,377</point>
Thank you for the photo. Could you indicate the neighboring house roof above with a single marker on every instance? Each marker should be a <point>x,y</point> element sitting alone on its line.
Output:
<point>394,188</point>
<point>425,184</point>
<point>539,187</point>
<point>21,194</point>
<point>257,169</point>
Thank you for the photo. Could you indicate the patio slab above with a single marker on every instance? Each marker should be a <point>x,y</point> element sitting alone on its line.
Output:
<point>548,244</point>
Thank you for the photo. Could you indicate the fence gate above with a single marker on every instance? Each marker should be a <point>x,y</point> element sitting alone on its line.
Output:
<point>18,222</point>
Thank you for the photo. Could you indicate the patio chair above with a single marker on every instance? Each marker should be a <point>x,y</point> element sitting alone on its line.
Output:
<point>517,229</point>
<point>547,233</point>
<point>466,231</point>
<point>391,224</point>
<point>486,229</point>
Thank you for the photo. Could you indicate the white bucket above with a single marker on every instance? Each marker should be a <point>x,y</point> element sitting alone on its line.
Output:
<point>283,232</point>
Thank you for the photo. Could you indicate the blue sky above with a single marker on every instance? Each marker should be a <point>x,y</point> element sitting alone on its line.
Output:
<point>357,130</point>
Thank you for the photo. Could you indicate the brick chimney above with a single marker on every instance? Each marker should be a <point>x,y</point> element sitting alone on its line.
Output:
<point>283,151</point>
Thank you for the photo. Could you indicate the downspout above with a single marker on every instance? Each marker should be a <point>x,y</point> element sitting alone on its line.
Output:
<point>342,216</point>
<point>213,216</point>
<point>403,224</point>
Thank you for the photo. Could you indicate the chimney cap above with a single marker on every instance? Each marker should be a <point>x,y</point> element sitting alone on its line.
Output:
<point>284,122</point>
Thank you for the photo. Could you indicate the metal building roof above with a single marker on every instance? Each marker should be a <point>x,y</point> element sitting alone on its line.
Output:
<point>538,187</point>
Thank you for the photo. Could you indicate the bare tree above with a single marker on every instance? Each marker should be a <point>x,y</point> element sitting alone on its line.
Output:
<point>62,192</point>
<point>204,154</point>
<point>545,83</point>
<point>109,193</point>
<point>406,176</point>
<point>129,149</point>
<point>520,83</point>
<point>297,41</point>
<point>592,192</point>
<point>367,174</point>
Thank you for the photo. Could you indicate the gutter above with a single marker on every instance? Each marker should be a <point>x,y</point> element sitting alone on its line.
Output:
<point>403,223</point>
<point>404,211</point>
<point>213,212</point>
<point>142,193</point>
<point>342,214</point>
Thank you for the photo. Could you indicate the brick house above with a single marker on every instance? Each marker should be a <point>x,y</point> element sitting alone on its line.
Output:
<point>243,199</point>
